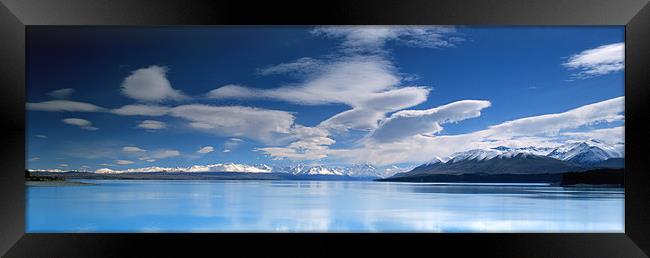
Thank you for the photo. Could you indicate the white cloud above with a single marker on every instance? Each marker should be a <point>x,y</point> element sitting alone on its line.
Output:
<point>374,38</point>
<point>163,154</point>
<point>408,123</point>
<point>551,124</point>
<point>231,144</point>
<point>132,149</point>
<point>613,136</point>
<point>301,66</point>
<point>63,105</point>
<point>598,61</point>
<point>141,110</point>
<point>362,78</point>
<point>313,143</point>
<point>61,93</point>
<point>543,130</point>
<point>123,162</point>
<point>356,118</point>
<point>81,123</point>
<point>150,85</point>
<point>41,136</point>
<point>310,143</point>
<point>365,83</point>
<point>341,81</point>
<point>34,159</point>
<point>368,112</point>
<point>152,125</point>
<point>237,121</point>
<point>147,159</point>
<point>206,149</point>
<point>63,165</point>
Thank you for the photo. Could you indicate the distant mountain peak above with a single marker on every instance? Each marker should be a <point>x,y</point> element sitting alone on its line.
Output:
<point>588,151</point>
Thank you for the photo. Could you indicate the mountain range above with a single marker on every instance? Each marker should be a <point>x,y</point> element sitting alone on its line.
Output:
<point>356,170</point>
<point>570,157</point>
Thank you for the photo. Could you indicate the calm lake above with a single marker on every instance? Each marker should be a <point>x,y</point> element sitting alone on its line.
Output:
<point>321,206</point>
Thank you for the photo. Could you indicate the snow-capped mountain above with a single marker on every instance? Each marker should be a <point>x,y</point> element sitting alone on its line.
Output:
<point>543,151</point>
<point>590,151</point>
<point>578,152</point>
<point>320,170</point>
<point>362,170</point>
<point>226,167</point>
<point>436,160</point>
<point>231,167</point>
<point>55,170</point>
<point>573,156</point>
<point>355,170</point>
<point>488,154</point>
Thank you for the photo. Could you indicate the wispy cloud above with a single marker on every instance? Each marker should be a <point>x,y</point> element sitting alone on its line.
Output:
<point>206,149</point>
<point>63,105</point>
<point>163,154</point>
<point>141,110</point>
<point>373,38</point>
<point>231,144</point>
<point>132,149</point>
<point>413,122</point>
<point>123,162</point>
<point>613,136</point>
<point>598,61</point>
<point>302,66</point>
<point>152,125</point>
<point>236,121</point>
<point>81,123</point>
<point>414,144</point>
<point>310,143</point>
<point>551,124</point>
<point>62,93</point>
<point>367,84</point>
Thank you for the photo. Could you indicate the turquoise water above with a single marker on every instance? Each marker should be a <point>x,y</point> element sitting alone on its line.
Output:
<point>320,206</point>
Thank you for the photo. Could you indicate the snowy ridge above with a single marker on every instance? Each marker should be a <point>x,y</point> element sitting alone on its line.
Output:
<point>436,160</point>
<point>355,170</point>
<point>585,152</point>
<point>227,167</point>
<point>589,151</point>
<point>55,170</point>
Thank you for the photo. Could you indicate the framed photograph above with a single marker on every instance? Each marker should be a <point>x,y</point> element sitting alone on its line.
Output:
<point>515,127</point>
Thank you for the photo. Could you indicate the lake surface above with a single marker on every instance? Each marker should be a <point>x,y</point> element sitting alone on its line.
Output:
<point>321,206</point>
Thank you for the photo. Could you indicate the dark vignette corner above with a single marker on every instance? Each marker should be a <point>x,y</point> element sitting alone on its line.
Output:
<point>12,75</point>
<point>637,129</point>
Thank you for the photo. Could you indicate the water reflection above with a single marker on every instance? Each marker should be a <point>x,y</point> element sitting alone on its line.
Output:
<point>321,206</point>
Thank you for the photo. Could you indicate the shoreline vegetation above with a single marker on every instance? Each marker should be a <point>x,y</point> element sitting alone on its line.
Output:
<point>596,177</point>
<point>33,179</point>
<point>591,178</point>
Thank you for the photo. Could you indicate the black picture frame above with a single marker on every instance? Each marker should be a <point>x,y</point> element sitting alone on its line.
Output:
<point>16,15</point>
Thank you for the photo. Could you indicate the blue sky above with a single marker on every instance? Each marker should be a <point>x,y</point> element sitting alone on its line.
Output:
<point>134,97</point>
